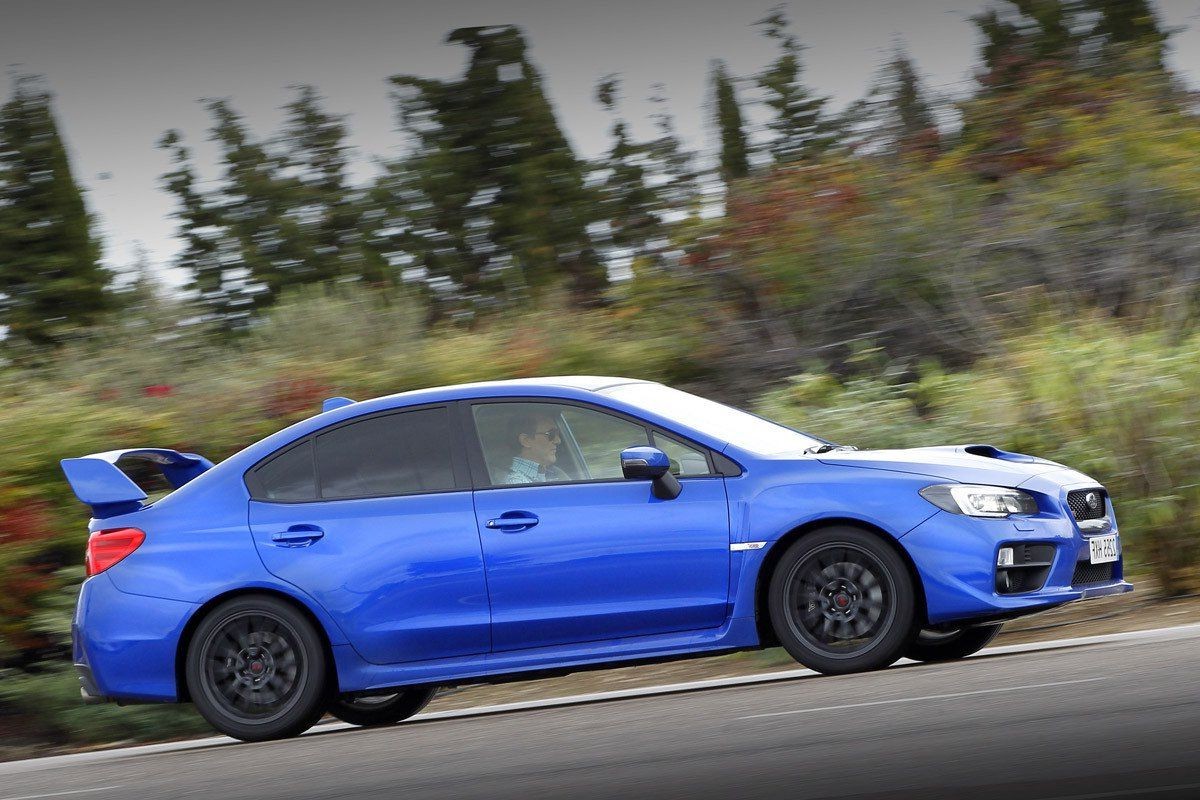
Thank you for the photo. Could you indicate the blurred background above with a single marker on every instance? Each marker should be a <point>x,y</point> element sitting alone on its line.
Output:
<point>975,222</point>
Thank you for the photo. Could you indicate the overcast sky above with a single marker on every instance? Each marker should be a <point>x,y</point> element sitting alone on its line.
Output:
<point>124,71</point>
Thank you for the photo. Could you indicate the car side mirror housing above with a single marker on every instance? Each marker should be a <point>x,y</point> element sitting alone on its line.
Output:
<point>642,463</point>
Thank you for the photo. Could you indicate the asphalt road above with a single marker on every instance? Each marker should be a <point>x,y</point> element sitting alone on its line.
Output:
<point>1116,720</point>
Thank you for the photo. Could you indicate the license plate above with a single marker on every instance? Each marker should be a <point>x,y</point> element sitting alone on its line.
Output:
<point>1104,548</point>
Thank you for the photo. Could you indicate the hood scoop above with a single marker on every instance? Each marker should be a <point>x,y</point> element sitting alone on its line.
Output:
<point>988,451</point>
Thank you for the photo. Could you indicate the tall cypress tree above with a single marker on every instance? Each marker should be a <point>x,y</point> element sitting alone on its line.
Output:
<point>51,281</point>
<point>800,127</point>
<point>735,159</point>
<point>499,196</point>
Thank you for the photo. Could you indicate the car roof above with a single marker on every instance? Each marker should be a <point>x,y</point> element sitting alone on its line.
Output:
<point>590,383</point>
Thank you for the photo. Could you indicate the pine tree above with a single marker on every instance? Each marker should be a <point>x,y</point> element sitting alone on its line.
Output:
<point>895,118</point>
<point>1130,23</point>
<point>211,254</point>
<point>629,205</point>
<point>51,282</point>
<point>329,210</point>
<point>800,128</point>
<point>494,189</point>
<point>735,159</point>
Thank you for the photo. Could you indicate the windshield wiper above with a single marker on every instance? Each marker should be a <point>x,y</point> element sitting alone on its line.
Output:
<point>826,448</point>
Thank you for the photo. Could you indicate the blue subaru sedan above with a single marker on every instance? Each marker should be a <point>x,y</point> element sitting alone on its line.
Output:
<point>358,560</point>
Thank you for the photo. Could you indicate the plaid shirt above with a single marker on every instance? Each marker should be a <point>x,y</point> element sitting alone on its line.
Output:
<point>523,470</point>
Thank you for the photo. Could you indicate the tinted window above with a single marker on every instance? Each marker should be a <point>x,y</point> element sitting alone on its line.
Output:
<point>392,454</point>
<point>550,443</point>
<point>288,476</point>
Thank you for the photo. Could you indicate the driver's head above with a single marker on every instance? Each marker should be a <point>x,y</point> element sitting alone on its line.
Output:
<point>537,435</point>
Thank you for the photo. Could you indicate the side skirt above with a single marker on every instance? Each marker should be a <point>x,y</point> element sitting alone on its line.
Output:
<point>357,676</point>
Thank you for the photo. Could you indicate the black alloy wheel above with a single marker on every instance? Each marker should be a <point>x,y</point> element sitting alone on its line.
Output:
<point>256,669</point>
<point>382,710</point>
<point>841,600</point>
<point>947,645</point>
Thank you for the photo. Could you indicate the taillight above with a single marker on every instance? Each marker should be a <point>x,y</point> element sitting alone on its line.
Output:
<point>105,548</point>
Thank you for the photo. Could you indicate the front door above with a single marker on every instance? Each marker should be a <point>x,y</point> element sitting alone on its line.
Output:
<point>374,520</point>
<point>574,552</point>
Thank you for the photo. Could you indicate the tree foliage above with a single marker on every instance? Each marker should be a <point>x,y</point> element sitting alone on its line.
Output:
<point>735,152</point>
<point>51,281</point>
<point>493,195</point>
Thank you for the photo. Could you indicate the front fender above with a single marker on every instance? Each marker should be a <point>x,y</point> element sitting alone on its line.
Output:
<point>816,494</point>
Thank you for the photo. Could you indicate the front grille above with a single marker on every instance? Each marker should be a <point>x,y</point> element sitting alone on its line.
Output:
<point>1087,572</point>
<point>1078,501</point>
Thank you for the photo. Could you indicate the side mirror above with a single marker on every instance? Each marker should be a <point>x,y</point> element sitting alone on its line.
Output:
<point>641,463</point>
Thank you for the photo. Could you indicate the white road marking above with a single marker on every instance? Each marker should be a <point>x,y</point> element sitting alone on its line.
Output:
<point>62,794</point>
<point>898,700</point>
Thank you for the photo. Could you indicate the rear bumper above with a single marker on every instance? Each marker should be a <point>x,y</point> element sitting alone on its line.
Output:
<point>955,557</point>
<point>124,645</point>
<point>88,691</point>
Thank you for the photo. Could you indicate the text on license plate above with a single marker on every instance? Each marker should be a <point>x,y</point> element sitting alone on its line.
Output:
<point>1104,548</point>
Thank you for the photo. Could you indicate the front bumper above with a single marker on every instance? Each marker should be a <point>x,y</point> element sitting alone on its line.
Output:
<point>955,556</point>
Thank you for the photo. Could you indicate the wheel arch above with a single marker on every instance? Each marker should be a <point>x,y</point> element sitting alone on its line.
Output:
<point>762,618</point>
<point>189,630</point>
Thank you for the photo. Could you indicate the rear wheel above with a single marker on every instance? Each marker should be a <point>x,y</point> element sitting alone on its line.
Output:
<point>948,645</point>
<point>841,600</point>
<point>256,669</point>
<point>385,710</point>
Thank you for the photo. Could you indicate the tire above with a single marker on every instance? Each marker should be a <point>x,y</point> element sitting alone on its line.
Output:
<point>374,711</point>
<point>930,645</point>
<point>256,669</point>
<point>841,600</point>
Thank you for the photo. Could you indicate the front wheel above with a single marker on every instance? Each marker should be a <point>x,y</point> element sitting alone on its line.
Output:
<point>841,600</point>
<point>935,645</point>
<point>256,669</point>
<point>385,710</point>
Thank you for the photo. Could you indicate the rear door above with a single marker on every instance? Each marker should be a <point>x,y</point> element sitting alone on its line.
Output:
<point>373,518</point>
<point>576,553</point>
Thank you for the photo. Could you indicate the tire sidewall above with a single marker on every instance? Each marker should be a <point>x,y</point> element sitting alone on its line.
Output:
<point>887,648</point>
<point>967,642</point>
<point>311,696</point>
<point>407,702</point>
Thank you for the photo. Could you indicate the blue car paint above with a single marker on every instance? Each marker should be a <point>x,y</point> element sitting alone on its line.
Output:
<point>605,560</point>
<point>397,611</point>
<point>402,576</point>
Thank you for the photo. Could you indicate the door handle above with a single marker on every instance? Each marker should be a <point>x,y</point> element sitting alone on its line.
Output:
<point>513,521</point>
<point>297,536</point>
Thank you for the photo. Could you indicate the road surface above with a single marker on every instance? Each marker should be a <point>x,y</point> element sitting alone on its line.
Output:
<point>1114,720</point>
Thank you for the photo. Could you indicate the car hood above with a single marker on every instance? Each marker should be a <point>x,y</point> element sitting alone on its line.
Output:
<point>972,463</point>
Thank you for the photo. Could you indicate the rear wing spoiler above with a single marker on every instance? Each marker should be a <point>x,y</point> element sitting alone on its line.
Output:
<point>99,482</point>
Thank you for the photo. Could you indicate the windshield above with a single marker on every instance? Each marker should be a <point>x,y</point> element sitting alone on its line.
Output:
<point>719,421</point>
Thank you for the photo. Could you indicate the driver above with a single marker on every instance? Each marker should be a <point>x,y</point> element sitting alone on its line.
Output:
<point>536,436</point>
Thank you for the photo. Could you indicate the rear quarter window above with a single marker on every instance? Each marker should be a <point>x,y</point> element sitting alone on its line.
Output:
<point>289,477</point>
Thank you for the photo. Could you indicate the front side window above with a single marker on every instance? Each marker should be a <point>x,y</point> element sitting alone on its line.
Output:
<point>686,461</point>
<point>525,443</point>
<point>391,454</point>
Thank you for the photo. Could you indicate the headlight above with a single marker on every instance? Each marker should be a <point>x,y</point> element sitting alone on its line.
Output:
<point>979,501</point>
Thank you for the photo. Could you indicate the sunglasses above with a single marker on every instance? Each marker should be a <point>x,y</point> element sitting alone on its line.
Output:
<point>554,434</point>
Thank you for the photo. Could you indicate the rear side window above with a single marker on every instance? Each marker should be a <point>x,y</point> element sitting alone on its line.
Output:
<point>289,476</point>
<point>404,453</point>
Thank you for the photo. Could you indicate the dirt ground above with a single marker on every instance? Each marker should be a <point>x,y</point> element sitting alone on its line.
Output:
<point>1139,610</point>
